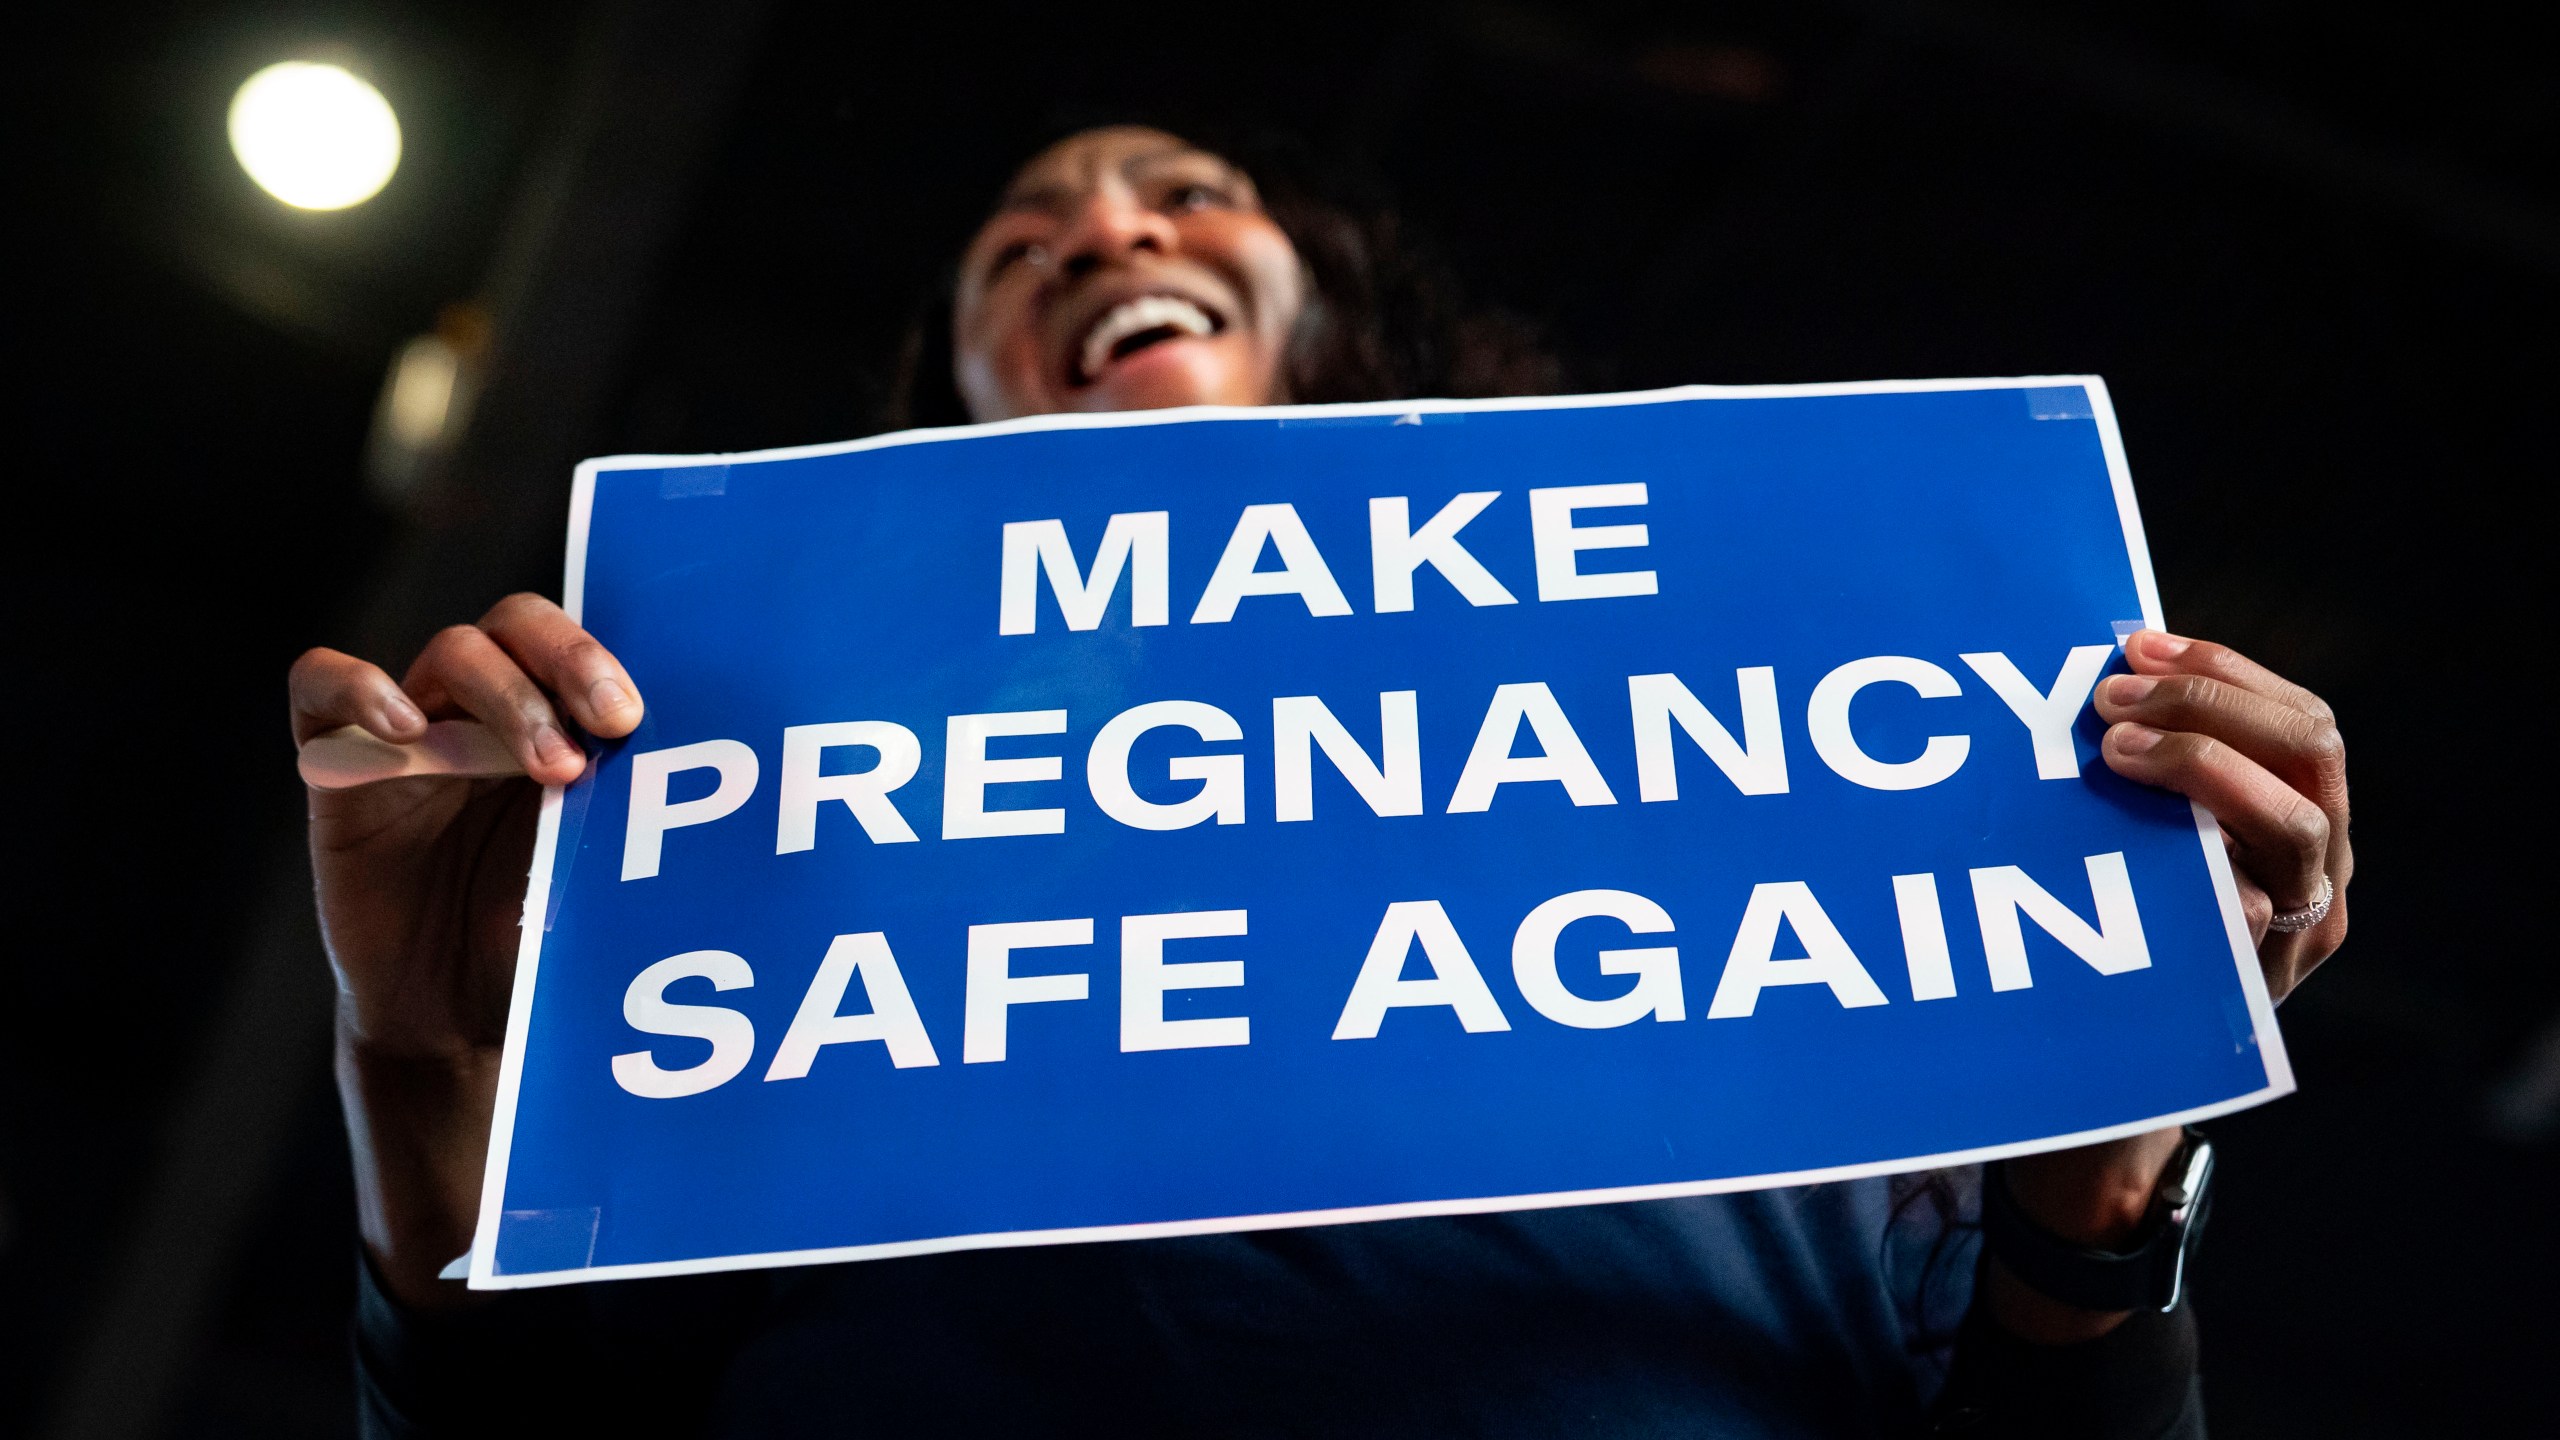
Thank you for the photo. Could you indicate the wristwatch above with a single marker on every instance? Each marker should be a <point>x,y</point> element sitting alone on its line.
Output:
<point>2152,1274</point>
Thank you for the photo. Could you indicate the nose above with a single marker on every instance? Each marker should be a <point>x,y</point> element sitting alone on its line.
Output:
<point>1110,225</point>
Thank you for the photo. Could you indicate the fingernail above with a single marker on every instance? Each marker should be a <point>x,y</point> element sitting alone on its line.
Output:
<point>2127,689</point>
<point>2131,739</point>
<point>608,696</point>
<point>2163,645</point>
<point>400,713</point>
<point>554,747</point>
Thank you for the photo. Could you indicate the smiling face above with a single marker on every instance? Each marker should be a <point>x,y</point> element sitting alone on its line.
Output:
<point>1124,269</point>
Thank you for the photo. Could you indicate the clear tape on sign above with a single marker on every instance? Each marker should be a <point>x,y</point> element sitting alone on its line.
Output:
<point>696,480</point>
<point>561,1239</point>
<point>573,824</point>
<point>2058,402</point>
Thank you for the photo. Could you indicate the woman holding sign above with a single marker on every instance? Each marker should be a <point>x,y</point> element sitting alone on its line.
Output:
<point>1125,269</point>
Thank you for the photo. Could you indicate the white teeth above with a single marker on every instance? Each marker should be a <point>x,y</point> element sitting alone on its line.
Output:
<point>1129,317</point>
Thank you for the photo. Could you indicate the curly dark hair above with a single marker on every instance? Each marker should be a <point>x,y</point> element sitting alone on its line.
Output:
<point>1385,317</point>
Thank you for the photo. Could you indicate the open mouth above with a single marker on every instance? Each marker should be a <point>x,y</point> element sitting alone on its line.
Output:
<point>1134,325</point>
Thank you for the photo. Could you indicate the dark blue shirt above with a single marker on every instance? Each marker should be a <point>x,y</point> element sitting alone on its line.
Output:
<point>1815,1311</point>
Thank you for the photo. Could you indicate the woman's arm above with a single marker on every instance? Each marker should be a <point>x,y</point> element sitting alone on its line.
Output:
<point>420,884</point>
<point>2263,756</point>
<point>2138,1381</point>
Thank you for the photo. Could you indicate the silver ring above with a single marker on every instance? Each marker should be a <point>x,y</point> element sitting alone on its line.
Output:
<point>2294,922</point>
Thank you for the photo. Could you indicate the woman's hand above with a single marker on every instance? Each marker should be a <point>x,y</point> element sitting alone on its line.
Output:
<point>421,880</point>
<point>2264,758</point>
<point>421,886</point>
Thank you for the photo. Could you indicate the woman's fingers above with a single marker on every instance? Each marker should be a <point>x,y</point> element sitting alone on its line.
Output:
<point>565,660</point>
<point>2156,652</point>
<point>2300,747</point>
<point>2256,910</point>
<point>463,669</point>
<point>328,689</point>
<point>2282,838</point>
<point>2264,757</point>
<point>504,672</point>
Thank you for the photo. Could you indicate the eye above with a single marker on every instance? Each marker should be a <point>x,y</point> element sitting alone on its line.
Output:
<point>1192,195</point>
<point>1006,258</point>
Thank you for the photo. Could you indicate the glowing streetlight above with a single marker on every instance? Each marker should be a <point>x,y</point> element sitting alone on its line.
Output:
<point>314,136</point>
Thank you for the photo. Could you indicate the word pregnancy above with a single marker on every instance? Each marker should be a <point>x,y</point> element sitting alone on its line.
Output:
<point>1387,780</point>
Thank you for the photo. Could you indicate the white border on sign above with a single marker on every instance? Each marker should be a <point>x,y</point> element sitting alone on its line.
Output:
<point>484,1247</point>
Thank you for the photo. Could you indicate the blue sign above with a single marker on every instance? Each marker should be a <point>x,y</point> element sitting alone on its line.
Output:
<point>1092,827</point>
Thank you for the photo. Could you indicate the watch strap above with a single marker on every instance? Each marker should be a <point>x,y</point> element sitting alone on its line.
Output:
<point>2148,1275</point>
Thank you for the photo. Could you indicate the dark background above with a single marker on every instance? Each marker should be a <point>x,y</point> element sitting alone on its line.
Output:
<point>2314,250</point>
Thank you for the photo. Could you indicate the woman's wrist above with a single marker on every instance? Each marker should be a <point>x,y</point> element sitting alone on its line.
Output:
<point>2095,1195</point>
<point>418,1133</point>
